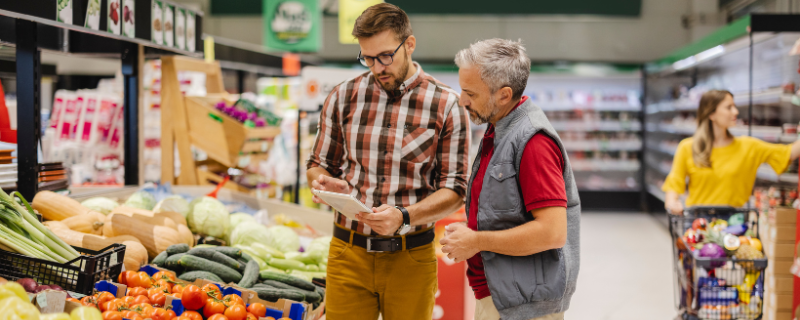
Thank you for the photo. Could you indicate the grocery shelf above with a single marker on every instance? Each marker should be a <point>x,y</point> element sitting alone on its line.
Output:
<point>568,106</point>
<point>602,145</point>
<point>656,192</point>
<point>770,96</point>
<point>596,126</point>
<point>661,150</point>
<point>766,173</point>
<point>605,165</point>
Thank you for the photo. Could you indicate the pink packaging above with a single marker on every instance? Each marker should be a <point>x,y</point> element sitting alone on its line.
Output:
<point>69,118</point>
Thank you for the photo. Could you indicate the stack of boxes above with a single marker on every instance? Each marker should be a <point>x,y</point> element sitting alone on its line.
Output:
<point>777,232</point>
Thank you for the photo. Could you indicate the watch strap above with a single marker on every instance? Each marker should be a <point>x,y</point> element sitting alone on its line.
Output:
<point>406,216</point>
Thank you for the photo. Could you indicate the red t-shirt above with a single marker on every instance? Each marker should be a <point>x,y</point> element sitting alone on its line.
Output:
<point>541,181</point>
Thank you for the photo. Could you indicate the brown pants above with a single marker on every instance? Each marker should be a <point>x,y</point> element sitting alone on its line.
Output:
<point>485,310</point>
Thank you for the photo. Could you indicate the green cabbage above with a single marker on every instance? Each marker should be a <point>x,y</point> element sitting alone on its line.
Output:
<point>239,217</point>
<point>100,204</point>
<point>284,239</point>
<point>208,216</point>
<point>319,248</point>
<point>249,233</point>
<point>173,204</point>
<point>141,200</point>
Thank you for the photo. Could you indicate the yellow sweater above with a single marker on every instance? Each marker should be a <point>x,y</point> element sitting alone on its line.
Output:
<point>732,175</point>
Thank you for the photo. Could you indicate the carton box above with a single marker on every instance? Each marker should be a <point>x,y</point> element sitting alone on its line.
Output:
<point>780,302</point>
<point>117,289</point>
<point>782,266</point>
<point>780,284</point>
<point>780,250</point>
<point>50,301</point>
<point>783,216</point>
<point>771,314</point>
<point>779,233</point>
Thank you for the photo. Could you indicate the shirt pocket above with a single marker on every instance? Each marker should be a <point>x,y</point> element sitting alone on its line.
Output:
<point>417,143</point>
<point>503,187</point>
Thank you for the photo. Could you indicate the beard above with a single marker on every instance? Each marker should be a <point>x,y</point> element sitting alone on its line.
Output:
<point>479,118</point>
<point>399,77</point>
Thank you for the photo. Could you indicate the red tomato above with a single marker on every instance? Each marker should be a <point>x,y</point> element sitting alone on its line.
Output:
<point>89,301</point>
<point>141,300</point>
<point>134,292</point>
<point>171,314</point>
<point>131,277</point>
<point>160,314</point>
<point>236,312</point>
<point>257,309</point>
<point>218,317</point>
<point>178,288</point>
<point>251,316</point>
<point>131,315</point>
<point>104,297</point>
<point>123,277</point>
<point>164,285</point>
<point>114,305</point>
<point>158,299</point>
<point>177,295</point>
<point>213,307</point>
<point>128,300</point>
<point>232,299</point>
<point>112,315</point>
<point>161,275</point>
<point>193,315</point>
<point>193,298</point>
<point>182,318</point>
<point>144,280</point>
<point>213,291</point>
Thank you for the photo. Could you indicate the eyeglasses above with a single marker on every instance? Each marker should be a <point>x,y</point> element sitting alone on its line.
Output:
<point>385,59</point>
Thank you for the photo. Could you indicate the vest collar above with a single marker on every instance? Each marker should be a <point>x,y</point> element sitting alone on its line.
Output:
<point>505,125</point>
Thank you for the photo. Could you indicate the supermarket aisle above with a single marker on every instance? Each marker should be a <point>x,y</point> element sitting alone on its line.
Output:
<point>626,270</point>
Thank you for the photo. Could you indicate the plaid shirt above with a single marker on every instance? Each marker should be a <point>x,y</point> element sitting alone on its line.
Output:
<point>393,148</point>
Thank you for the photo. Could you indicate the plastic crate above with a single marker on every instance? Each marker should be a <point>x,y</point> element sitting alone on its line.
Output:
<point>78,275</point>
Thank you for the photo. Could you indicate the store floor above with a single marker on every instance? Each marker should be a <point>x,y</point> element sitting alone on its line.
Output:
<point>626,269</point>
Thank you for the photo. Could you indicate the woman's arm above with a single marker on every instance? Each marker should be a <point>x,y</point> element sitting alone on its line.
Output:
<point>672,203</point>
<point>795,149</point>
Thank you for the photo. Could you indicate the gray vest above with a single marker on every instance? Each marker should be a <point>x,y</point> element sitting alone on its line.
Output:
<point>540,284</point>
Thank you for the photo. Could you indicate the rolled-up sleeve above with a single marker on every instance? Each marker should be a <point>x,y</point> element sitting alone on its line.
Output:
<point>453,150</point>
<point>328,147</point>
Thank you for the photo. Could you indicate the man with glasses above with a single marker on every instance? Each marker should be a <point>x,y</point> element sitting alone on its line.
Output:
<point>396,139</point>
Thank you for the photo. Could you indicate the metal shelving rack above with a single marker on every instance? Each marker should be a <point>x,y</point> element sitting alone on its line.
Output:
<point>755,66</point>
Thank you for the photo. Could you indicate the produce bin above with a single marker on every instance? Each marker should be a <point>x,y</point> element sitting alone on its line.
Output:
<point>78,275</point>
<point>715,288</point>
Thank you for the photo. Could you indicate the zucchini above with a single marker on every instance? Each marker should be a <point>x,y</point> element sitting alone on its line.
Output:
<point>160,259</point>
<point>303,257</point>
<point>307,275</point>
<point>191,276</point>
<point>272,251</point>
<point>287,279</point>
<point>172,262</point>
<point>320,291</point>
<point>216,256</point>
<point>190,262</point>
<point>250,275</point>
<point>323,267</point>
<point>229,251</point>
<point>272,295</point>
<point>205,246</point>
<point>177,248</point>
<point>312,267</point>
<point>287,264</point>
<point>310,296</point>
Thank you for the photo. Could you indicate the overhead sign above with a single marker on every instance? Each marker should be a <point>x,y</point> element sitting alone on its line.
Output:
<point>349,11</point>
<point>318,82</point>
<point>292,25</point>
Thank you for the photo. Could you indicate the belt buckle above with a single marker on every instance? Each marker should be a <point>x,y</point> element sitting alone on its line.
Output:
<point>390,240</point>
<point>369,244</point>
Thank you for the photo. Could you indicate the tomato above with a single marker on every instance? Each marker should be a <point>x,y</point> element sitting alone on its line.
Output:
<point>193,298</point>
<point>104,297</point>
<point>213,291</point>
<point>115,305</point>
<point>112,315</point>
<point>89,301</point>
<point>177,295</point>
<point>193,315</point>
<point>251,316</point>
<point>159,314</point>
<point>257,309</point>
<point>213,307</point>
<point>183,318</point>
<point>73,300</point>
<point>123,277</point>
<point>218,317</point>
<point>178,288</point>
<point>145,310</point>
<point>236,312</point>
<point>158,299</point>
<point>171,314</point>
<point>128,300</point>
<point>144,280</point>
<point>232,299</point>
<point>140,300</point>
<point>164,285</point>
<point>134,292</point>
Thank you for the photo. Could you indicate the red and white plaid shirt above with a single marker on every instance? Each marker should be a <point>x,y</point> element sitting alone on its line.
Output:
<point>393,148</point>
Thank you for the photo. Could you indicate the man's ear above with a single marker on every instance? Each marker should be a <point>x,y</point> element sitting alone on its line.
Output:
<point>506,95</point>
<point>411,44</point>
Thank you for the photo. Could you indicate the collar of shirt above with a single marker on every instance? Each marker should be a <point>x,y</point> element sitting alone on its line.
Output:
<point>407,85</point>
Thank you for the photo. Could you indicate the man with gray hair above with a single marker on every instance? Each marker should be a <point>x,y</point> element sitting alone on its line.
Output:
<point>523,212</point>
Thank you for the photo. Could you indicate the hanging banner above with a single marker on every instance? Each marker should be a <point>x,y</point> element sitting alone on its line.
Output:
<point>292,25</point>
<point>349,11</point>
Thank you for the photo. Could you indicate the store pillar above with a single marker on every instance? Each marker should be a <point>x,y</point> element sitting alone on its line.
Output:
<point>28,107</point>
<point>130,72</point>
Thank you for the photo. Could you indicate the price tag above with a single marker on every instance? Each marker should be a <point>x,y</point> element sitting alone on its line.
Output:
<point>41,300</point>
<point>113,259</point>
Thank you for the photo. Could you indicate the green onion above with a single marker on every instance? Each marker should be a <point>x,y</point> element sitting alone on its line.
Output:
<point>22,232</point>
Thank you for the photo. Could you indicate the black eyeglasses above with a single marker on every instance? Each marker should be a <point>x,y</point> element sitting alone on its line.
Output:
<point>385,59</point>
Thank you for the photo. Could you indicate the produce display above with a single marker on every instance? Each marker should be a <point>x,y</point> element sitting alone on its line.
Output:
<point>245,112</point>
<point>15,304</point>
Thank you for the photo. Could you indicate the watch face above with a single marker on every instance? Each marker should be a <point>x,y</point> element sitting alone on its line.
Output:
<point>405,229</point>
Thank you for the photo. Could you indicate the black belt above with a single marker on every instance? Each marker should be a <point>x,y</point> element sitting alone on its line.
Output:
<point>384,244</point>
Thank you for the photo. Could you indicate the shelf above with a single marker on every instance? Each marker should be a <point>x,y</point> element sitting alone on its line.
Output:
<point>605,165</point>
<point>602,145</point>
<point>658,168</point>
<point>661,150</point>
<point>596,126</point>
<point>774,96</point>
<point>769,134</point>
<point>656,192</point>
<point>568,106</point>
<point>766,173</point>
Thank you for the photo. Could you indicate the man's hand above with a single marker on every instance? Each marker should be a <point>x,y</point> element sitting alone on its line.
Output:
<point>385,220</point>
<point>459,242</point>
<point>325,183</point>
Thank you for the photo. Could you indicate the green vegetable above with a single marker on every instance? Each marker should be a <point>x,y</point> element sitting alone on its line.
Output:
<point>323,267</point>
<point>100,204</point>
<point>21,232</point>
<point>142,200</point>
<point>246,257</point>
<point>249,233</point>
<point>287,279</point>
<point>177,248</point>
<point>320,291</point>
<point>190,262</point>
<point>284,238</point>
<point>213,255</point>
<point>235,253</point>
<point>286,264</point>
<point>312,267</point>
<point>173,204</point>
<point>275,253</point>
<point>209,217</point>
<point>303,257</point>
<point>160,259</point>
<point>273,295</point>
<point>250,275</point>
<point>306,275</point>
<point>172,262</point>
<point>318,248</point>
<point>191,276</point>
<point>239,218</point>
<point>311,296</point>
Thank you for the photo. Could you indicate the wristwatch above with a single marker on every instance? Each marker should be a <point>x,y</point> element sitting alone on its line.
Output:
<point>406,226</point>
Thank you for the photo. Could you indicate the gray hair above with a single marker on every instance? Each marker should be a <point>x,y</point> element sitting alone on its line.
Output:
<point>501,62</point>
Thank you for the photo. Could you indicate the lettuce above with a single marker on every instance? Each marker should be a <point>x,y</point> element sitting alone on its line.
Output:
<point>319,248</point>
<point>284,239</point>
<point>173,204</point>
<point>100,204</point>
<point>248,233</point>
<point>141,200</point>
<point>208,216</point>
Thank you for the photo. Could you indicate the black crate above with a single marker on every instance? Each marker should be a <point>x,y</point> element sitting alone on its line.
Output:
<point>78,275</point>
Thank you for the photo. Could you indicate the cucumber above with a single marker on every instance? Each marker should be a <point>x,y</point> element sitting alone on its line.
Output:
<point>191,276</point>
<point>190,262</point>
<point>229,251</point>
<point>272,251</point>
<point>310,296</point>
<point>216,256</point>
<point>160,259</point>
<point>272,295</point>
<point>303,257</point>
<point>321,292</point>
<point>287,279</point>
<point>287,264</point>
<point>246,257</point>
<point>205,246</point>
<point>177,248</point>
<point>312,267</point>
<point>172,262</point>
<point>250,275</point>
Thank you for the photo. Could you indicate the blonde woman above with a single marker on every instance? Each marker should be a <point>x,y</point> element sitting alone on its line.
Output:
<point>721,169</point>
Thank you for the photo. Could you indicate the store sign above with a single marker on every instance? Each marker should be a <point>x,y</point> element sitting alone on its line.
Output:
<point>292,25</point>
<point>349,11</point>
<point>318,82</point>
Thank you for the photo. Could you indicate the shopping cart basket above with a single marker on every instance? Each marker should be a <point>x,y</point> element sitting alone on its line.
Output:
<point>723,288</point>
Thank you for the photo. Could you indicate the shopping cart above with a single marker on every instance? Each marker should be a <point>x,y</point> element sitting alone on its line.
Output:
<point>724,288</point>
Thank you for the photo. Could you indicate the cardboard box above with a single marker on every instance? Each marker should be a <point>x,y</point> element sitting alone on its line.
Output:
<point>780,250</point>
<point>117,289</point>
<point>780,284</point>
<point>771,314</point>
<point>50,301</point>
<point>780,302</point>
<point>783,216</point>
<point>779,233</point>
<point>781,266</point>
